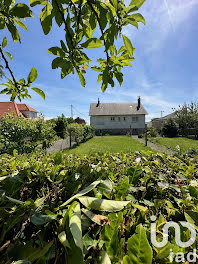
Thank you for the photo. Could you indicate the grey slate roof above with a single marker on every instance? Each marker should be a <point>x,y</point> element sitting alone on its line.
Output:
<point>116,109</point>
<point>172,115</point>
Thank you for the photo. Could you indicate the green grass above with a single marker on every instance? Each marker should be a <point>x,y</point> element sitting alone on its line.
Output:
<point>185,143</point>
<point>108,144</point>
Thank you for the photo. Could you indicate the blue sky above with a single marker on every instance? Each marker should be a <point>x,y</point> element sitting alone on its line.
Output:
<point>164,73</point>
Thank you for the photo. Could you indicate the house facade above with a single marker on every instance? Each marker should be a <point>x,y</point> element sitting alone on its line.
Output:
<point>118,118</point>
<point>17,109</point>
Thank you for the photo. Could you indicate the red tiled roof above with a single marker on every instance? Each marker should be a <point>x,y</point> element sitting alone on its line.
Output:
<point>8,107</point>
<point>12,107</point>
<point>25,107</point>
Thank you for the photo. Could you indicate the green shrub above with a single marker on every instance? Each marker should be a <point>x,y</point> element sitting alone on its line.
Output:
<point>170,128</point>
<point>44,218</point>
<point>61,126</point>
<point>152,132</point>
<point>24,135</point>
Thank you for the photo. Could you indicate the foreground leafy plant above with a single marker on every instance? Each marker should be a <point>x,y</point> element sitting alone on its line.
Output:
<point>81,209</point>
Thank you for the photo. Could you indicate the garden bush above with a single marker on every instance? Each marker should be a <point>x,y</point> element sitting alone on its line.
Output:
<point>61,126</point>
<point>80,209</point>
<point>152,132</point>
<point>80,132</point>
<point>170,128</point>
<point>24,135</point>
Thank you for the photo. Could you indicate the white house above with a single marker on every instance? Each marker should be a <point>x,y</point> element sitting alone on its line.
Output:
<point>118,118</point>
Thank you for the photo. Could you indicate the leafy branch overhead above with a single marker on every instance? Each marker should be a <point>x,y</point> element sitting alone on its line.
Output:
<point>87,24</point>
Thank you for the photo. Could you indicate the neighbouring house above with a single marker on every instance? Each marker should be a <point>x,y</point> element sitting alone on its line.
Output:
<point>118,118</point>
<point>79,120</point>
<point>158,122</point>
<point>17,109</point>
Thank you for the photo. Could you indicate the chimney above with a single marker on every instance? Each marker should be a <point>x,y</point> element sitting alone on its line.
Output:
<point>98,102</point>
<point>139,103</point>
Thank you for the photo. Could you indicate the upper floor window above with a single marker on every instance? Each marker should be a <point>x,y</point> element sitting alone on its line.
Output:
<point>135,119</point>
<point>112,118</point>
<point>124,118</point>
<point>119,118</point>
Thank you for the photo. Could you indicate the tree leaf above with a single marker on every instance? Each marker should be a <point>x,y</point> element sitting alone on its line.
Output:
<point>46,18</point>
<point>40,92</point>
<point>102,204</point>
<point>4,42</point>
<point>32,75</point>
<point>138,17</point>
<point>75,226</point>
<point>137,3</point>
<point>82,79</point>
<point>37,2</point>
<point>83,192</point>
<point>128,45</point>
<point>92,43</point>
<point>21,10</point>
<point>9,55</point>
<point>139,250</point>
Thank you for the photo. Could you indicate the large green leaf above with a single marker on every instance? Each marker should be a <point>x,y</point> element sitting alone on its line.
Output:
<point>103,204</point>
<point>41,219</point>
<point>83,192</point>
<point>92,43</point>
<point>46,18</point>
<point>138,248</point>
<point>21,10</point>
<point>4,42</point>
<point>75,226</point>
<point>39,91</point>
<point>32,75</point>
<point>82,79</point>
<point>138,17</point>
<point>128,45</point>
<point>137,3</point>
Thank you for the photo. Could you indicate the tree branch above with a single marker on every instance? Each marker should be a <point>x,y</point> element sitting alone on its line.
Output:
<point>98,19</point>
<point>79,14</point>
<point>65,22</point>
<point>9,69</point>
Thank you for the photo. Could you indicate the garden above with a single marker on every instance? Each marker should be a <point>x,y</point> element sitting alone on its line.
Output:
<point>99,202</point>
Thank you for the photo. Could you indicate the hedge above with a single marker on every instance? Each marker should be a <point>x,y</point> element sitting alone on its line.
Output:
<point>80,209</point>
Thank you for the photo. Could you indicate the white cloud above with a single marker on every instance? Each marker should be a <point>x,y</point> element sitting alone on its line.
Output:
<point>163,17</point>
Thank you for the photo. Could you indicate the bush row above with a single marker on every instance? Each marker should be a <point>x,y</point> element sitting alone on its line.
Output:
<point>79,209</point>
<point>24,135</point>
<point>80,132</point>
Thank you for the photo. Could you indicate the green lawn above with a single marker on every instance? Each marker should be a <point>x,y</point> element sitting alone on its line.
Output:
<point>185,143</point>
<point>108,144</point>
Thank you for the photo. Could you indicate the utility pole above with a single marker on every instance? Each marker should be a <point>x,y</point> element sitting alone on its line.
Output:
<point>162,113</point>
<point>71,111</point>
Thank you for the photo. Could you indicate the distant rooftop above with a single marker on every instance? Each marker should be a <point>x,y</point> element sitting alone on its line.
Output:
<point>16,109</point>
<point>128,108</point>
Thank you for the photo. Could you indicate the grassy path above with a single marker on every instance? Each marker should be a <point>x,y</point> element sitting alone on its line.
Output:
<point>157,147</point>
<point>185,144</point>
<point>112,144</point>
